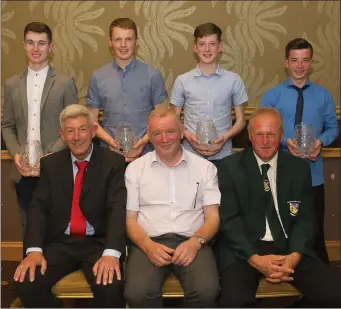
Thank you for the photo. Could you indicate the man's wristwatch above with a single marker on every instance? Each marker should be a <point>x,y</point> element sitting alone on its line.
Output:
<point>200,239</point>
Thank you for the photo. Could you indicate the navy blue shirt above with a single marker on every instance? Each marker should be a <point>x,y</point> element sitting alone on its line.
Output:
<point>318,110</point>
<point>126,96</point>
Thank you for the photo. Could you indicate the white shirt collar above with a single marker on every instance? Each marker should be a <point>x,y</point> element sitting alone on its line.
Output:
<point>272,162</point>
<point>42,72</point>
<point>156,158</point>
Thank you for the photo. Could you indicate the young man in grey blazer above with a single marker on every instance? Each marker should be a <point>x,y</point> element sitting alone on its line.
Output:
<point>33,101</point>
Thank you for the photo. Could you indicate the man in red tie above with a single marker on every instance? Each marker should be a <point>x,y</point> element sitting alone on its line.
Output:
<point>76,219</point>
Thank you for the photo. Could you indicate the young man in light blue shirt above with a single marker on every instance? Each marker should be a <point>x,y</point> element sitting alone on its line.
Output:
<point>316,108</point>
<point>210,92</point>
<point>127,90</point>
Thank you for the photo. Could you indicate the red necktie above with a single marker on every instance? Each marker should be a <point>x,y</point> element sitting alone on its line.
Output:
<point>78,221</point>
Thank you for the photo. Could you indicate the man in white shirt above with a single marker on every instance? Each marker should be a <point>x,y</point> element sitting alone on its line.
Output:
<point>172,214</point>
<point>267,222</point>
<point>33,102</point>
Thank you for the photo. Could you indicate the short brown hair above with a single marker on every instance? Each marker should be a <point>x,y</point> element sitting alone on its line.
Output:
<point>266,111</point>
<point>123,23</point>
<point>298,43</point>
<point>38,27</point>
<point>207,29</point>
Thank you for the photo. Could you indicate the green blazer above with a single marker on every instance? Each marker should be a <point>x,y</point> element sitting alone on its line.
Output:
<point>242,211</point>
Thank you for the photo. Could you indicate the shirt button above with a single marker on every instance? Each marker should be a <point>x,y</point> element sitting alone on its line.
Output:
<point>125,105</point>
<point>124,91</point>
<point>34,114</point>
<point>36,85</point>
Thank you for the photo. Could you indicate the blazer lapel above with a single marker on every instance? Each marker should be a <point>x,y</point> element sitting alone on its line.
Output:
<point>255,193</point>
<point>50,78</point>
<point>91,172</point>
<point>23,92</point>
<point>283,179</point>
<point>66,172</point>
<point>254,176</point>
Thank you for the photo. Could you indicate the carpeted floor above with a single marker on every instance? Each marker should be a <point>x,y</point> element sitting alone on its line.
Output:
<point>8,294</point>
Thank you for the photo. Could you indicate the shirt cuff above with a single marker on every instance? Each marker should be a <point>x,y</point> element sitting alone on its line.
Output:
<point>112,252</point>
<point>34,249</point>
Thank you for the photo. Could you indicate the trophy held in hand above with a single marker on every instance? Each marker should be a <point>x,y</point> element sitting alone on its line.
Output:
<point>305,139</point>
<point>31,153</point>
<point>206,132</point>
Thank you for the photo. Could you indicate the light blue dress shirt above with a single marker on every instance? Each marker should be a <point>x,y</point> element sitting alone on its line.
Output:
<point>209,96</point>
<point>318,110</point>
<point>127,96</point>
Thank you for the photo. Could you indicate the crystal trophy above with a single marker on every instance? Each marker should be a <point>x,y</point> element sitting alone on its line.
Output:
<point>206,132</point>
<point>125,136</point>
<point>305,139</point>
<point>31,153</point>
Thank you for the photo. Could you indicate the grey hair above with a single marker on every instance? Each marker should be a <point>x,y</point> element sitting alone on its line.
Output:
<point>75,111</point>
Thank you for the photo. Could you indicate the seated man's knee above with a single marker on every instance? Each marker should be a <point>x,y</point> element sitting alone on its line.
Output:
<point>203,295</point>
<point>27,290</point>
<point>139,295</point>
<point>110,295</point>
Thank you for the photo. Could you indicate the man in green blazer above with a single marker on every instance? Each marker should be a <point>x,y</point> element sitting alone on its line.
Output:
<point>267,221</point>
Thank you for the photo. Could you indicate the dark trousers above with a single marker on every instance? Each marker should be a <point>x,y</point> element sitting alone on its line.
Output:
<point>320,245</point>
<point>64,256</point>
<point>319,283</point>
<point>144,280</point>
<point>24,191</point>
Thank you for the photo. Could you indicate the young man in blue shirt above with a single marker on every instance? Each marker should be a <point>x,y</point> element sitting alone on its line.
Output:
<point>210,92</point>
<point>127,90</point>
<point>300,100</point>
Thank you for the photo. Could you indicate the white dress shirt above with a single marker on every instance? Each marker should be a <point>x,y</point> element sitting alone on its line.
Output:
<point>272,175</point>
<point>35,86</point>
<point>171,199</point>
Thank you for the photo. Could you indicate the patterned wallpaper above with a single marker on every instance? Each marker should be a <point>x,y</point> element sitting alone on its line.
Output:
<point>254,34</point>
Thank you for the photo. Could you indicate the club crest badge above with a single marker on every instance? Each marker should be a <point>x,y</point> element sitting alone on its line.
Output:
<point>266,185</point>
<point>294,207</point>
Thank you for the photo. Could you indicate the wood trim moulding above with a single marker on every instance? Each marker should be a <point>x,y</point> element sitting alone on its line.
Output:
<point>12,250</point>
<point>326,153</point>
<point>250,110</point>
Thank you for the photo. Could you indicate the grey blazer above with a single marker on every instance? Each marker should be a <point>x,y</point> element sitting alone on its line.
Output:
<point>59,91</point>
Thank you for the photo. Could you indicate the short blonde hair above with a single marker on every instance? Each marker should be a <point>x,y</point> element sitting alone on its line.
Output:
<point>266,111</point>
<point>163,110</point>
<point>75,111</point>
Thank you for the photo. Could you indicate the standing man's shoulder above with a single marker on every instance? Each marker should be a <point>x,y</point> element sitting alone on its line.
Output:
<point>272,95</point>
<point>187,75</point>
<point>229,74</point>
<point>14,79</point>
<point>104,71</point>
<point>320,89</point>
<point>181,82</point>
<point>148,69</point>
